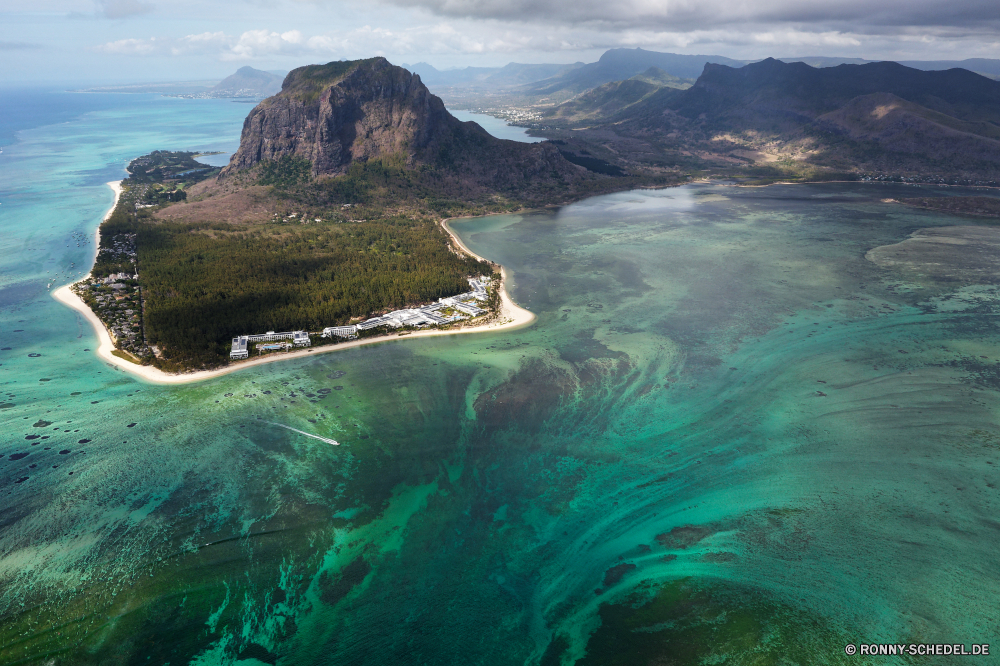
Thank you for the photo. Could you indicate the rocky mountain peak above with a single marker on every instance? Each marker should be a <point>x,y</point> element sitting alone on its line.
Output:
<point>349,111</point>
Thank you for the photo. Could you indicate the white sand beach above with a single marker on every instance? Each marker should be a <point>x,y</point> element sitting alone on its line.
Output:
<point>511,316</point>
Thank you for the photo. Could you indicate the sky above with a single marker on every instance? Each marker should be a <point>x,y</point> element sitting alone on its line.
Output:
<point>126,41</point>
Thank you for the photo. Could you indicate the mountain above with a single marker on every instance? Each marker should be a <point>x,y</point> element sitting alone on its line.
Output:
<point>883,116</point>
<point>986,66</point>
<point>771,91</point>
<point>621,64</point>
<point>610,99</point>
<point>248,82</point>
<point>659,78</point>
<point>343,113</point>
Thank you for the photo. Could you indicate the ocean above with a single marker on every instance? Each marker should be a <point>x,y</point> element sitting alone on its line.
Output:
<point>750,425</point>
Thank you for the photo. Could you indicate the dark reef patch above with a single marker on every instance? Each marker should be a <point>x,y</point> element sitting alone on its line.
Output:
<point>335,587</point>
<point>684,536</point>
<point>684,622</point>
<point>258,652</point>
<point>617,572</point>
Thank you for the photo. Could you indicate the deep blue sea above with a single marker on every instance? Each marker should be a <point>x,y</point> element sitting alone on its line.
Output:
<point>749,426</point>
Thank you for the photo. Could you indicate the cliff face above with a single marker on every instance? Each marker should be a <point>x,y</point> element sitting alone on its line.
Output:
<point>342,112</point>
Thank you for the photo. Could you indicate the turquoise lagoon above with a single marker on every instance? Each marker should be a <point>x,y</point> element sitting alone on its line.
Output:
<point>735,434</point>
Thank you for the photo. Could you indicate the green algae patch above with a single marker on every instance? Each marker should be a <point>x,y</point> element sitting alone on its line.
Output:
<point>686,622</point>
<point>125,356</point>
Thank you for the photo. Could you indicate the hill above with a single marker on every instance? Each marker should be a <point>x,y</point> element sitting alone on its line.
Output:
<point>248,82</point>
<point>611,99</point>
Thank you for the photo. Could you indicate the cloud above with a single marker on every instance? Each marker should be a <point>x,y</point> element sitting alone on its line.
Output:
<point>118,9</point>
<point>455,41</point>
<point>133,47</point>
<point>680,15</point>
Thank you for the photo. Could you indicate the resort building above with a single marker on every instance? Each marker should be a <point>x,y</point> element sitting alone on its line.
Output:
<point>239,349</point>
<point>270,336</point>
<point>349,332</point>
<point>461,307</point>
<point>298,338</point>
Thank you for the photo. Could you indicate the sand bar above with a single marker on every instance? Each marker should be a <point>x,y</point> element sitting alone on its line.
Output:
<point>511,316</point>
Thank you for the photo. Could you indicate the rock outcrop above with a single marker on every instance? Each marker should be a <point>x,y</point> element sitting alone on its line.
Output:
<point>342,112</point>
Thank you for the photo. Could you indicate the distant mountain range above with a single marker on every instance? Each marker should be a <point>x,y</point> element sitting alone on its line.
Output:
<point>248,82</point>
<point>621,64</point>
<point>880,116</point>
<point>986,66</point>
<point>510,75</point>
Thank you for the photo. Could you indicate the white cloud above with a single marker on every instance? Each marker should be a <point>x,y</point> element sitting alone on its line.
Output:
<point>456,41</point>
<point>132,47</point>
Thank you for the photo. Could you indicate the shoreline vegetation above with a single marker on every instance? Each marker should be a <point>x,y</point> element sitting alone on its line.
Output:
<point>510,316</point>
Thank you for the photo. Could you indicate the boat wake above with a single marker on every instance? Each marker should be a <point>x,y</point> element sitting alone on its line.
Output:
<point>322,439</point>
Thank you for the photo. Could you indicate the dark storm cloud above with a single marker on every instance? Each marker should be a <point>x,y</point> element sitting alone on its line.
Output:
<point>858,15</point>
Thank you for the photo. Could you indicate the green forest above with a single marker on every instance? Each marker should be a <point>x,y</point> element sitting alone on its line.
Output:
<point>203,284</point>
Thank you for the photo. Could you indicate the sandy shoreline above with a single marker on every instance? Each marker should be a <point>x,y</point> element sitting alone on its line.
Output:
<point>511,316</point>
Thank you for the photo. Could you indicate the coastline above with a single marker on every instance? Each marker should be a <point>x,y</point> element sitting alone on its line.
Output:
<point>511,316</point>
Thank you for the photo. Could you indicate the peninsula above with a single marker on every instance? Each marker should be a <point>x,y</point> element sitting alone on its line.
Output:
<point>328,223</point>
